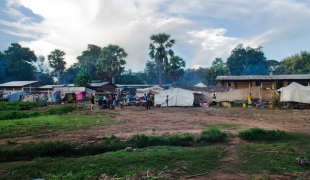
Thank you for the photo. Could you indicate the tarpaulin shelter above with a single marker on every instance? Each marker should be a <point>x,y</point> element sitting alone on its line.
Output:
<point>295,92</point>
<point>176,97</point>
<point>14,95</point>
<point>200,85</point>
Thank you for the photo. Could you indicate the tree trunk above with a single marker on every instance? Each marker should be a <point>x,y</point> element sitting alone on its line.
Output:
<point>160,68</point>
<point>58,77</point>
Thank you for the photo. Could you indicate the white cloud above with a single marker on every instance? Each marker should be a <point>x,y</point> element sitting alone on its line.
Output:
<point>203,30</point>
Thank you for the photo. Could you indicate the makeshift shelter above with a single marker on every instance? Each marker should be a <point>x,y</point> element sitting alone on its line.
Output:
<point>154,90</point>
<point>200,85</point>
<point>296,93</point>
<point>176,97</point>
<point>14,95</point>
<point>70,93</point>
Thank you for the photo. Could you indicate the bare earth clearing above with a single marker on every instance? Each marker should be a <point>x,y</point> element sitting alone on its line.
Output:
<point>178,120</point>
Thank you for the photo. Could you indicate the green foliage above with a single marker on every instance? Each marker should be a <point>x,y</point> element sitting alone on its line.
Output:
<point>53,123</point>
<point>261,134</point>
<point>213,135</point>
<point>4,106</point>
<point>17,115</point>
<point>175,68</point>
<point>17,62</point>
<point>128,78</point>
<point>160,53</point>
<point>296,64</point>
<point>89,57</point>
<point>111,62</point>
<point>218,68</point>
<point>70,73</point>
<point>83,79</point>
<point>192,77</point>
<point>178,161</point>
<point>247,61</point>
<point>60,110</point>
<point>56,60</point>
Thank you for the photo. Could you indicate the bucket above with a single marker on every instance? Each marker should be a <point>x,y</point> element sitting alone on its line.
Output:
<point>271,106</point>
<point>244,105</point>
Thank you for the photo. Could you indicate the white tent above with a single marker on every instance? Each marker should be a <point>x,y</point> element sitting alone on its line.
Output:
<point>200,85</point>
<point>176,97</point>
<point>295,92</point>
<point>154,90</point>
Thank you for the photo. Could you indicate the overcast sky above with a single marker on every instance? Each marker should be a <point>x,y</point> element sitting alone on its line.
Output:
<point>203,29</point>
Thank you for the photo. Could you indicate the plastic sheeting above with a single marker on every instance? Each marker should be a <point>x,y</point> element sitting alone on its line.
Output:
<point>15,96</point>
<point>176,97</point>
<point>78,96</point>
<point>154,90</point>
<point>295,92</point>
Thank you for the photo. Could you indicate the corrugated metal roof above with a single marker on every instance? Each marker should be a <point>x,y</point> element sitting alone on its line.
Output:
<point>17,83</point>
<point>50,86</point>
<point>265,77</point>
<point>98,84</point>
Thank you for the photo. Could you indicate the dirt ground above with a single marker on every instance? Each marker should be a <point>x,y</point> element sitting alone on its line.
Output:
<point>179,120</point>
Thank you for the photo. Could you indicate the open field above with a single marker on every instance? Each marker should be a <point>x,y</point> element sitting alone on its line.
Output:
<point>233,159</point>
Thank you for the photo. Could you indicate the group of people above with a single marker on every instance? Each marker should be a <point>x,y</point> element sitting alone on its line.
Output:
<point>104,102</point>
<point>259,102</point>
<point>149,99</point>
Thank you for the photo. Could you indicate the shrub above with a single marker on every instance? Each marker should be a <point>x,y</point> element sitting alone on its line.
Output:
<point>17,115</point>
<point>213,135</point>
<point>261,134</point>
<point>20,105</point>
<point>60,110</point>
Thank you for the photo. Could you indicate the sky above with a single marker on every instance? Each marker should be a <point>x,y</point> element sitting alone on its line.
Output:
<point>203,29</point>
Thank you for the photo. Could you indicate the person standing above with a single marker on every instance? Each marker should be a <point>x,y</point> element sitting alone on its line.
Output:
<point>100,98</point>
<point>148,102</point>
<point>92,102</point>
<point>249,99</point>
<point>214,100</point>
<point>167,100</point>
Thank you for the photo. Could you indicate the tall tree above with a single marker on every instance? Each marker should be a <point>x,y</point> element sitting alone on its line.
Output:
<point>175,68</point>
<point>56,60</point>
<point>247,61</point>
<point>18,63</point>
<point>43,72</point>
<point>111,61</point>
<point>295,64</point>
<point>83,79</point>
<point>192,77</point>
<point>2,68</point>
<point>89,57</point>
<point>218,68</point>
<point>160,48</point>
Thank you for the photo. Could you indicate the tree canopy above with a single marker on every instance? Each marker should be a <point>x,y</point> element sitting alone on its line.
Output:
<point>160,48</point>
<point>83,79</point>
<point>247,61</point>
<point>56,60</point>
<point>175,68</point>
<point>218,68</point>
<point>89,57</point>
<point>111,61</point>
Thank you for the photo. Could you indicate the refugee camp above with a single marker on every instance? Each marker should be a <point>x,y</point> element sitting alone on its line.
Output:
<point>141,90</point>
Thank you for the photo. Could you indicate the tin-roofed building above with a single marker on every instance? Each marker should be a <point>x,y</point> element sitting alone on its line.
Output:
<point>29,87</point>
<point>264,81</point>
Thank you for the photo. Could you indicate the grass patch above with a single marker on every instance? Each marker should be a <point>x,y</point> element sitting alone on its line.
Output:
<point>4,106</point>
<point>275,158</point>
<point>6,115</point>
<point>176,161</point>
<point>261,134</point>
<point>52,123</point>
<point>212,135</point>
<point>60,110</point>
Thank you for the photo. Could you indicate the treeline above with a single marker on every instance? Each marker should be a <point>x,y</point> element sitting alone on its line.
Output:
<point>19,63</point>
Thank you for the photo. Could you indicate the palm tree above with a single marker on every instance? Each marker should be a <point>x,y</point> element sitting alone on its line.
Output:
<point>56,60</point>
<point>111,62</point>
<point>175,68</point>
<point>159,53</point>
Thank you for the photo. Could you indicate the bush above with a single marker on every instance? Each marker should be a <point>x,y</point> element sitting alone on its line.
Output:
<point>261,134</point>
<point>20,105</point>
<point>60,110</point>
<point>17,115</point>
<point>213,135</point>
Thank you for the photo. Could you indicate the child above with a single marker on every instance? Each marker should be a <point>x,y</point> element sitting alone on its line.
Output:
<point>122,105</point>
